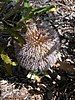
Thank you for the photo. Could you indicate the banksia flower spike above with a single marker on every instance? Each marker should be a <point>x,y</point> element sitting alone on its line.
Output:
<point>40,50</point>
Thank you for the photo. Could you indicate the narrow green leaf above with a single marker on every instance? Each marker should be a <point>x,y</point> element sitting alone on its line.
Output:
<point>8,69</point>
<point>5,0</point>
<point>13,63</point>
<point>18,7</point>
<point>37,11</point>
<point>5,58</point>
<point>15,35</point>
<point>1,50</point>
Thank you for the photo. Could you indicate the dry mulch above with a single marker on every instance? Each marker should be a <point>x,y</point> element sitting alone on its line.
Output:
<point>59,82</point>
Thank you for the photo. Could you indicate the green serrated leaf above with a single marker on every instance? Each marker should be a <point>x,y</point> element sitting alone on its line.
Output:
<point>26,5</point>
<point>27,8</point>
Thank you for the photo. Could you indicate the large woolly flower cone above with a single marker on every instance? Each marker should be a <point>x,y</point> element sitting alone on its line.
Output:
<point>40,50</point>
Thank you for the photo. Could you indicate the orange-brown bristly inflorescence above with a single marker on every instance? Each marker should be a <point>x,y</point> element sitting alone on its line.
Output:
<point>39,52</point>
<point>36,38</point>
